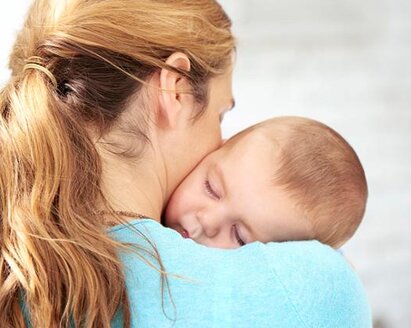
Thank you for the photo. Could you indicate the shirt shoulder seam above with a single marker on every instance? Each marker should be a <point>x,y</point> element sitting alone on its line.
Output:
<point>272,268</point>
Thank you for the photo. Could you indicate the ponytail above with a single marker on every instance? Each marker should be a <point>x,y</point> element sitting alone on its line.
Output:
<point>52,247</point>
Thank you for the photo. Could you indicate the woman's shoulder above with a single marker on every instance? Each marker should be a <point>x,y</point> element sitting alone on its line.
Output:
<point>292,284</point>
<point>320,284</point>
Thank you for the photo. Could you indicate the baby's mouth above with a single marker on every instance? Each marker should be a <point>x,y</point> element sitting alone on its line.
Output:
<point>185,234</point>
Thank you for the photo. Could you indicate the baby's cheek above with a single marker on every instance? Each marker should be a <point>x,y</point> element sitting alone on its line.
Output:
<point>179,207</point>
<point>173,210</point>
<point>168,213</point>
<point>186,197</point>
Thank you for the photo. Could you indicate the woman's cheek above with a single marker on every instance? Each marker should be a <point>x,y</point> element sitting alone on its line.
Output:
<point>212,136</point>
<point>215,142</point>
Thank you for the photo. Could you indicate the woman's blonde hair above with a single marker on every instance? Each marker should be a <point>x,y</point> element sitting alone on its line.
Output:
<point>75,64</point>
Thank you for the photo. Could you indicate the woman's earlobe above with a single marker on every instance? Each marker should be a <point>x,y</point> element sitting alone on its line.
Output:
<point>173,88</point>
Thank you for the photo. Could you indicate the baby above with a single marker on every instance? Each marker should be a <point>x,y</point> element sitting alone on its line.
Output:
<point>287,178</point>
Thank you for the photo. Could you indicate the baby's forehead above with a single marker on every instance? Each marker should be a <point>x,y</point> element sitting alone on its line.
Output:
<point>269,137</point>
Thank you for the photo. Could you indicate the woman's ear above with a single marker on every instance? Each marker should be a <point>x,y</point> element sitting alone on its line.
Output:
<point>174,90</point>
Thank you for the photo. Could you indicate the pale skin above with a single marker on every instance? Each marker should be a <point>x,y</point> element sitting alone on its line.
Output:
<point>144,185</point>
<point>230,198</point>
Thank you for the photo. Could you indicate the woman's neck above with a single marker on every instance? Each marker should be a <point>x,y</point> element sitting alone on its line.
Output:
<point>134,185</point>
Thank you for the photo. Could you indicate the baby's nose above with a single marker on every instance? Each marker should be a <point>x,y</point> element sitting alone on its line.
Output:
<point>209,223</point>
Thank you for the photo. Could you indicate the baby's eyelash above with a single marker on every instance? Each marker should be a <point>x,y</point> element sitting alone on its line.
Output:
<point>210,190</point>
<point>238,238</point>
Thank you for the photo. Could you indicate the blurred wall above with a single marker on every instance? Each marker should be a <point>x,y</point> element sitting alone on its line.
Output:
<point>346,63</point>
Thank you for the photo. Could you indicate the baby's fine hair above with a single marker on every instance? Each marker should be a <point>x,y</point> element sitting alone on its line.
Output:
<point>322,173</point>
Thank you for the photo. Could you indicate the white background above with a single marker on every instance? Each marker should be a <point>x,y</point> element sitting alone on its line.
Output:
<point>348,64</point>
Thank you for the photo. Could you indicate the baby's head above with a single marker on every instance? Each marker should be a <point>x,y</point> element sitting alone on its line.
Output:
<point>287,178</point>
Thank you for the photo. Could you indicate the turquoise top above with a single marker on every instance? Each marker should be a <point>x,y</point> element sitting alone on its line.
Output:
<point>292,284</point>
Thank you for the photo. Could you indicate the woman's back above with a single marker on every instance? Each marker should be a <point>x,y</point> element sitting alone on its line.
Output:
<point>297,284</point>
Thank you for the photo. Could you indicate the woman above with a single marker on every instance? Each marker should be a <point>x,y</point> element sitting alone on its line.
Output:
<point>111,103</point>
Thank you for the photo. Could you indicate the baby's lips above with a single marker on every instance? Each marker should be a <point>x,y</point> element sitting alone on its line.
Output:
<point>185,234</point>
